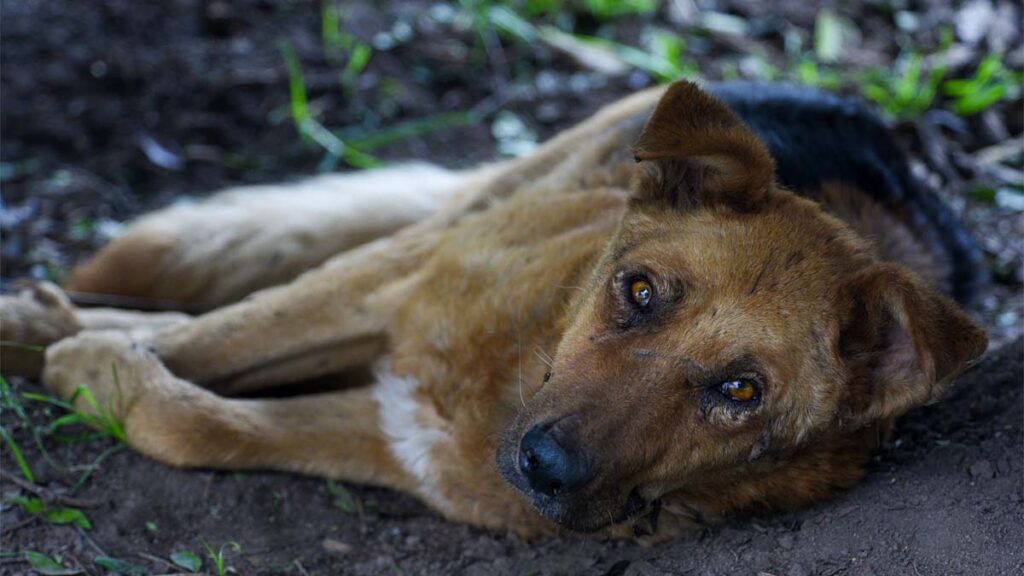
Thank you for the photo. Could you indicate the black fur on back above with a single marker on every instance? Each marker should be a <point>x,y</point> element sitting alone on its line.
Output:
<point>816,137</point>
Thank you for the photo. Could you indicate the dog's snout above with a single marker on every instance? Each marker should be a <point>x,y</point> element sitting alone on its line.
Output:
<point>549,462</point>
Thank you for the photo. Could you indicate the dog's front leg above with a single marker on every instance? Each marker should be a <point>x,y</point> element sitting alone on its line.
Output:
<point>326,320</point>
<point>39,314</point>
<point>336,435</point>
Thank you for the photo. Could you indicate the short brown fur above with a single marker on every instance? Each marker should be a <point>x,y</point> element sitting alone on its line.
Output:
<point>509,308</point>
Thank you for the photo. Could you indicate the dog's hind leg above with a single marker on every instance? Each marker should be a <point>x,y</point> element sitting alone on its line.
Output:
<point>216,251</point>
<point>337,434</point>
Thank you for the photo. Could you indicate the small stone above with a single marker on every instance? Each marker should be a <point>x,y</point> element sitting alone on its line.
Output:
<point>786,541</point>
<point>336,547</point>
<point>982,469</point>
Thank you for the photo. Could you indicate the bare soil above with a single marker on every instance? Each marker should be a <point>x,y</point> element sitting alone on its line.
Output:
<point>115,108</point>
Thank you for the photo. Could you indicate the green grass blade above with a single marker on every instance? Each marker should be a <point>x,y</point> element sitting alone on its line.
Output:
<point>412,129</point>
<point>18,456</point>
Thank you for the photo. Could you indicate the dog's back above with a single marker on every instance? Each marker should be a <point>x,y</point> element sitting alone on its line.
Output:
<point>819,139</point>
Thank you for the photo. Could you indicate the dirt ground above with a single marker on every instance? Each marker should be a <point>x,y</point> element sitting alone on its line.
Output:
<point>111,109</point>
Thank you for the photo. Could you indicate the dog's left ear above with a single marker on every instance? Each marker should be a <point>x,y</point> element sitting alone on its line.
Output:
<point>694,151</point>
<point>904,342</point>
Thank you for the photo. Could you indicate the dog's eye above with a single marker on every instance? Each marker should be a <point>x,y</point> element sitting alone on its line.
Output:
<point>740,390</point>
<point>641,292</point>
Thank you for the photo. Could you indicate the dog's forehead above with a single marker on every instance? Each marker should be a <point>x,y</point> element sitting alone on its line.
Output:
<point>743,256</point>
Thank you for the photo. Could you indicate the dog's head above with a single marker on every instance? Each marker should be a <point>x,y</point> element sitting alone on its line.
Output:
<point>727,321</point>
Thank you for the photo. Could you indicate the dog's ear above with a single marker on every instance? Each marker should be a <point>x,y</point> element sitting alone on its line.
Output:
<point>694,151</point>
<point>903,342</point>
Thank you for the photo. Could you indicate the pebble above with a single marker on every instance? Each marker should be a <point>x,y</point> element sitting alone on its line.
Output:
<point>982,469</point>
<point>336,547</point>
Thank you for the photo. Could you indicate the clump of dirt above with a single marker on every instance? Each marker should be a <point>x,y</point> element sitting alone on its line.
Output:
<point>112,109</point>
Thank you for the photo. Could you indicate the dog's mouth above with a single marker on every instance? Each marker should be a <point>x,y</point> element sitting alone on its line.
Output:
<point>588,510</point>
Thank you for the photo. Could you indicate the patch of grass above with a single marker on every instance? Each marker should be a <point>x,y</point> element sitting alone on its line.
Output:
<point>907,94</point>
<point>809,73</point>
<point>311,130</point>
<point>341,48</point>
<point>217,557</point>
<point>105,422</point>
<point>353,149</point>
<point>992,82</point>
<point>103,418</point>
<point>907,91</point>
<point>663,60</point>
<point>412,129</point>
<point>10,401</point>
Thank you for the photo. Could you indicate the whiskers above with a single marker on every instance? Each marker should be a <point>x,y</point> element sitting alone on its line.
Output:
<point>544,357</point>
<point>519,345</point>
<point>541,355</point>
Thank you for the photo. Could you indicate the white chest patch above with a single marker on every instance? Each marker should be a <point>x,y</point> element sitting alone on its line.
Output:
<point>412,426</point>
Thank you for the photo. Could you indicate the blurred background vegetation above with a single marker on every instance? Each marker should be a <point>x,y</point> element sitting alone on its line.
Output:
<point>117,107</point>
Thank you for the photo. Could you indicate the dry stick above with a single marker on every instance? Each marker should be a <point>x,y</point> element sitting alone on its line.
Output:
<point>91,542</point>
<point>8,530</point>
<point>49,494</point>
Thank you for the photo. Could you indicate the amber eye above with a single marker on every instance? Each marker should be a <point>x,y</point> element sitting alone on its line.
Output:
<point>740,390</point>
<point>641,291</point>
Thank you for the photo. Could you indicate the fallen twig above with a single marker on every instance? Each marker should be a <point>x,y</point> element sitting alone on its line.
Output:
<point>48,494</point>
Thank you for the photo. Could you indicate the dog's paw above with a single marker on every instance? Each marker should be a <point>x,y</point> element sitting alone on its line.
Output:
<point>115,369</point>
<point>35,316</point>
<point>127,383</point>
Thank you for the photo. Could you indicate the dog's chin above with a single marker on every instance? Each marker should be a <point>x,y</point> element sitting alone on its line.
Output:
<point>588,513</point>
<point>584,512</point>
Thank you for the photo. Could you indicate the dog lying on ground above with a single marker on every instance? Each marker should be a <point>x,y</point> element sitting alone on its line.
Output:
<point>623,341</point>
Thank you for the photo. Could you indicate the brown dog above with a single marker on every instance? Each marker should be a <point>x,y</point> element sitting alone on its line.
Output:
<point>672,339</point>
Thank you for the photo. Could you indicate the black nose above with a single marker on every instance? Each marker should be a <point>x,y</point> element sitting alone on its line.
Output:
<point>549,466</point>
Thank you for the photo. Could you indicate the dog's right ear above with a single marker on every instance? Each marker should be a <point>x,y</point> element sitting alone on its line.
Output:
<point>694,151</point>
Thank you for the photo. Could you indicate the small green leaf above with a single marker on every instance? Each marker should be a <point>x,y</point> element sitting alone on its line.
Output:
<point>980,100</point>
<point>48,566</point>
<point>151,526</point>
<point>120,566</point>
<point>26,470</point>
<point>29,505</point>
<point>62,515</point>
<point>67,420</point>
<point>187,560</point>
<point>358,60</point>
